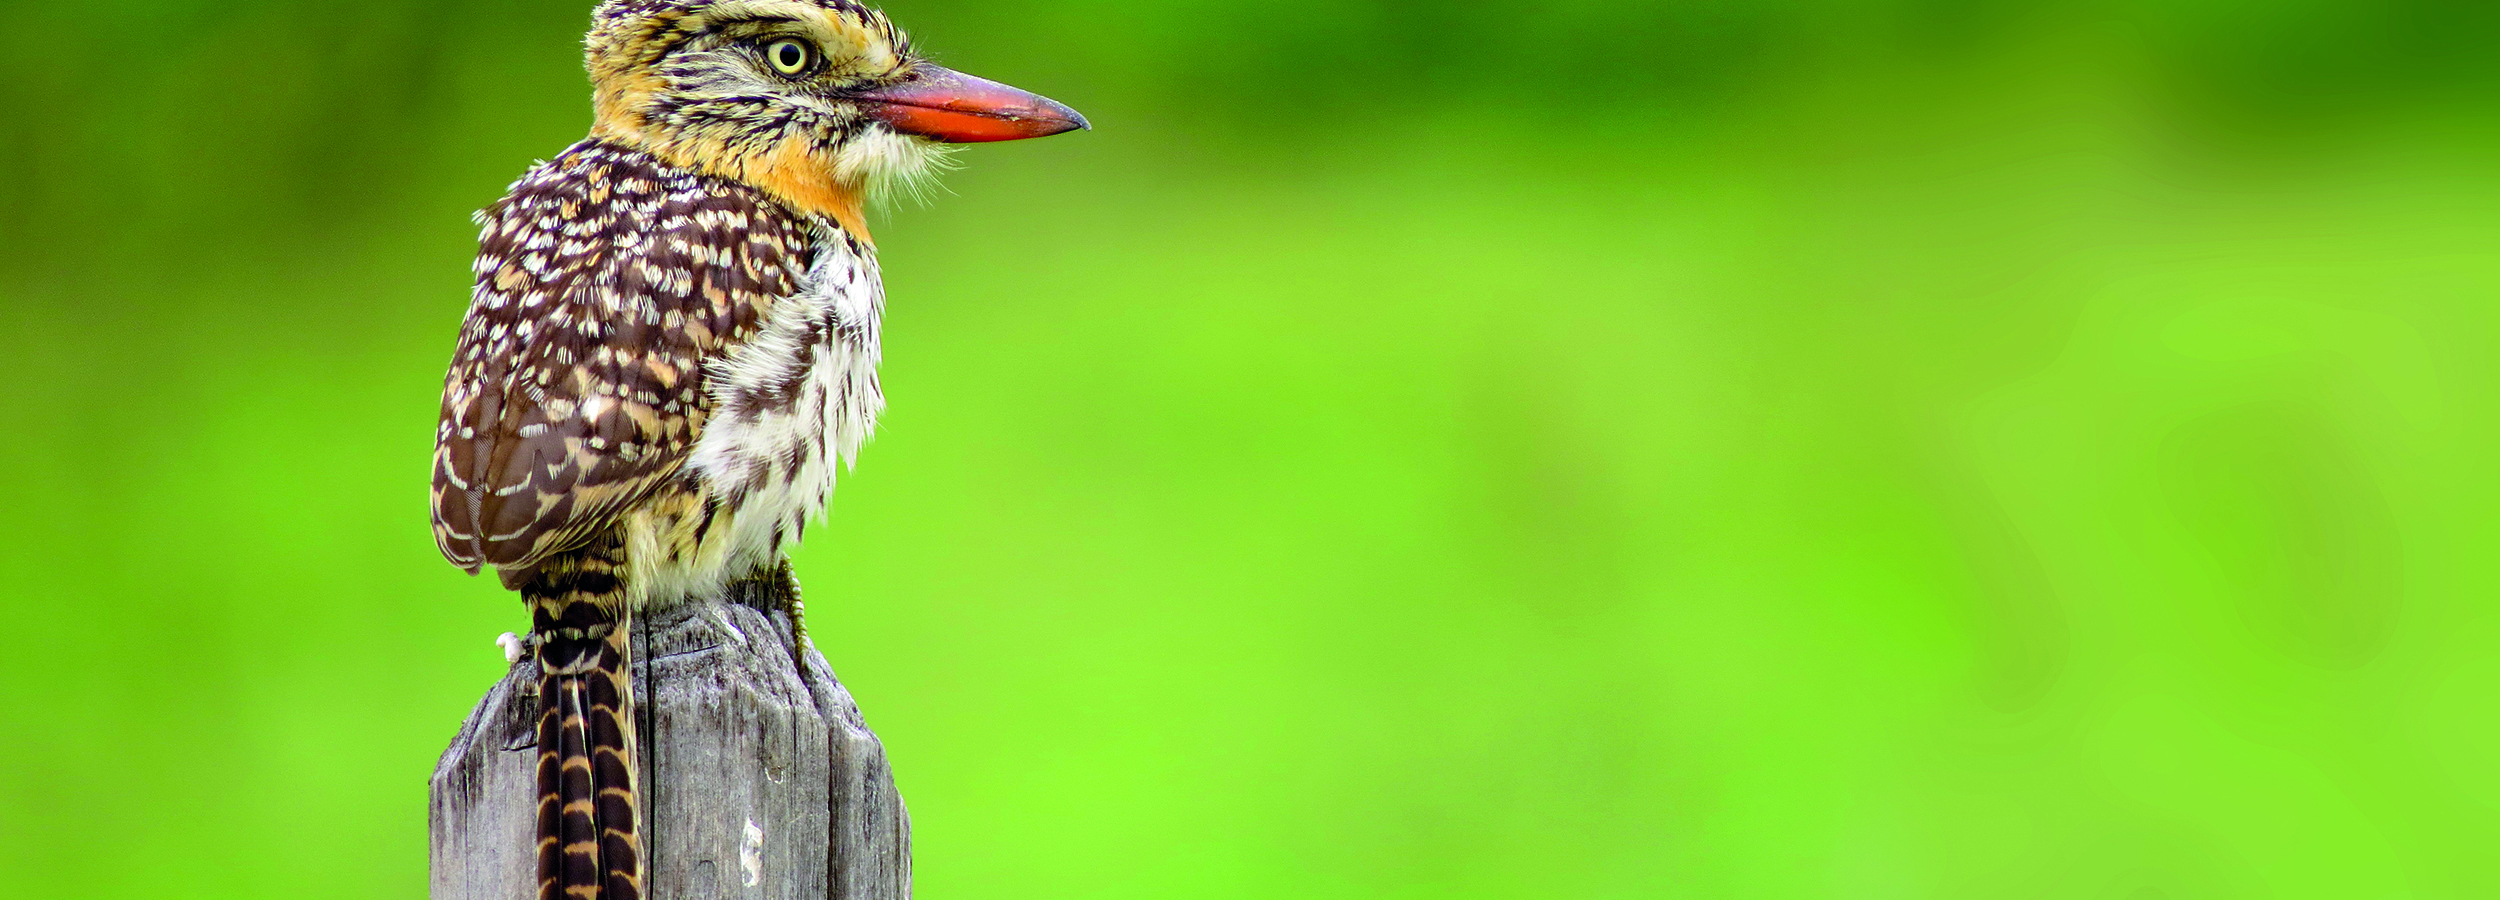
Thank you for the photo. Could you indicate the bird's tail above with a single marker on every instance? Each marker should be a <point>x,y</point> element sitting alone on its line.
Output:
<point>589,845</point>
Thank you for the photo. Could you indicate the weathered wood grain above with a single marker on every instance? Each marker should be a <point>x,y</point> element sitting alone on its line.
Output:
<point>760,781</point>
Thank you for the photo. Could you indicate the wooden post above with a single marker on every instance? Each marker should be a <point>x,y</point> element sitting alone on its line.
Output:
<point>759,780</point>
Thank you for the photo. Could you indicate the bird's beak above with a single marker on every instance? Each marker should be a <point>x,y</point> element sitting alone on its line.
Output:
<point>945,105</point>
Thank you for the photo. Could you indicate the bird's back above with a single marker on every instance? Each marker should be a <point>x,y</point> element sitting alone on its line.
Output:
<point>609,286</point>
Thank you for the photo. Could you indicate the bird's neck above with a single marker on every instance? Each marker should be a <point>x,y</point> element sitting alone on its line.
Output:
<point>792,170</point>
<point>800,178</point>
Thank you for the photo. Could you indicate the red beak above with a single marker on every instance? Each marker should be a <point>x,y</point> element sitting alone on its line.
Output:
<point>945,105</point>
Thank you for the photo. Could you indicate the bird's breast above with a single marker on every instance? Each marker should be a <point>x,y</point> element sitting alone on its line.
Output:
<point>786,404</point>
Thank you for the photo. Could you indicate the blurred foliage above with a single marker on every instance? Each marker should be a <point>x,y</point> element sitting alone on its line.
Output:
<point>1565,448</point>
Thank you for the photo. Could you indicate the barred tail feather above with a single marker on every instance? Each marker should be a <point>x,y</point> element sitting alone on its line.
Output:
<point>589,845</point>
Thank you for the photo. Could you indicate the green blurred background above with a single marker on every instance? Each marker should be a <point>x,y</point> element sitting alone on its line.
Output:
<point>1558,448</point>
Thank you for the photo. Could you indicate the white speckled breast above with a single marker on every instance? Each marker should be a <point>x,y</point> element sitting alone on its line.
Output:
<point>785,404</point>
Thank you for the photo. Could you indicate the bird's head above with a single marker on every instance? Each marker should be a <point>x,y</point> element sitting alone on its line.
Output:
<point>820,102</point>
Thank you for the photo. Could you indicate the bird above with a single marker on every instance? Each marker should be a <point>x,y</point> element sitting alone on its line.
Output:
<point>672,337</point>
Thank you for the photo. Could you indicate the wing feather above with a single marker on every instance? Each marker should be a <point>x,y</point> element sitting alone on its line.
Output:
<point>605,280</point>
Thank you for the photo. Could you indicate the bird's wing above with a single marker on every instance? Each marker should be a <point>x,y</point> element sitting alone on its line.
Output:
<point>605,279</point>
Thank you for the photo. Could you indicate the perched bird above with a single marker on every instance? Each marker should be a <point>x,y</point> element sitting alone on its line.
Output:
<point>672,338</point>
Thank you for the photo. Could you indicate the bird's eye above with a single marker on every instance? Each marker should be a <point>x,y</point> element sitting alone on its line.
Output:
<point>790,57</point>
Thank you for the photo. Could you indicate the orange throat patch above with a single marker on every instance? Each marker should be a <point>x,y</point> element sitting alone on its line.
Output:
<point>808,184</point>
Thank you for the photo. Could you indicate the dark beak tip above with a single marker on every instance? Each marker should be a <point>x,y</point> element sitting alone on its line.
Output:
<point>1073,119</point>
